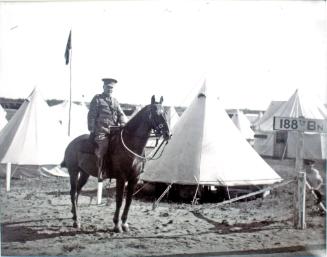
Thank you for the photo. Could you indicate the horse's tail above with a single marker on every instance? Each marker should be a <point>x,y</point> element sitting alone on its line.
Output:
<point>63,164</point>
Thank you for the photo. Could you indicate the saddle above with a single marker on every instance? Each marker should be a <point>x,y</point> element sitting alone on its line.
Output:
<point>87,159</point>
<point>88,145</point>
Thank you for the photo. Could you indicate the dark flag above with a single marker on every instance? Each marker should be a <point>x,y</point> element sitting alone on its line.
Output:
<point>68,47</point>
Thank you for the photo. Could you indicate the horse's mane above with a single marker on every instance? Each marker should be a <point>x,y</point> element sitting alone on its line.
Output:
<point>136,119</point>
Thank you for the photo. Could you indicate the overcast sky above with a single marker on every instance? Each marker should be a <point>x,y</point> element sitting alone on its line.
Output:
<point>251,52</point>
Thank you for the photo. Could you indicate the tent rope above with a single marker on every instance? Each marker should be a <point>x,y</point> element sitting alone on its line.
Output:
<point>250,194</point>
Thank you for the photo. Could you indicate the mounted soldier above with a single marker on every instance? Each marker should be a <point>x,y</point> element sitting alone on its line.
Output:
<point>105,113</point>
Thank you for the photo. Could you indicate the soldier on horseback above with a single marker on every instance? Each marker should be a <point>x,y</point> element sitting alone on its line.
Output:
<point>104,113</point>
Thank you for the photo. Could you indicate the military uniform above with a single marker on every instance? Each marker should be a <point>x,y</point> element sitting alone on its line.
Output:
<point>104,112</point>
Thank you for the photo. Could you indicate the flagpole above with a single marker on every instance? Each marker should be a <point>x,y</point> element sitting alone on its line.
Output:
<point>70,86</point>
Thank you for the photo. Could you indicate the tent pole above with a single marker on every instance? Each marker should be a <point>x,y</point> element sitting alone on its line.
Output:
<point>8,176</point>
<point>284,152</point>
<point>228,192</point>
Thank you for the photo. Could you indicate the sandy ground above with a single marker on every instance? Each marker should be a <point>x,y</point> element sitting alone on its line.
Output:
<point>36,220</point>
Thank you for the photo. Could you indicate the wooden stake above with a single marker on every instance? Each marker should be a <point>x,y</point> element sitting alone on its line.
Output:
<point>298,170</point>
<point>8,176</point>
<point>99,194</point>
<point>301,201</point>
<point>299,152</point>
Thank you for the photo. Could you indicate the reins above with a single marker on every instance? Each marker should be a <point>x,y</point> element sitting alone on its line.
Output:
<point>147,158</point>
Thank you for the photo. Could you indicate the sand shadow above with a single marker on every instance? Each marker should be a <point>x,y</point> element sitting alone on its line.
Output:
<point>107,192</point>
<point>25,231</point>
<point>225,228</point>
<point>12,232</point>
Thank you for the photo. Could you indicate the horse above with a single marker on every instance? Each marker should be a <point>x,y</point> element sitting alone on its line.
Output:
<point>124,160</point>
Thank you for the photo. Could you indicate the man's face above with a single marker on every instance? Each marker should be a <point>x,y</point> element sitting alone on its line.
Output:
<point>107,89</point>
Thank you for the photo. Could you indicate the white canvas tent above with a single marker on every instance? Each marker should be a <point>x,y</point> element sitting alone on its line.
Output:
<point>78,118</point>
<point>253,118</point>
<point>207,148</point>
<point>3,120</point>
<point>272,108</point>
<point>172,117</point>
<point>32,138</point>
<point>243,124</point>
<point>282,144</point>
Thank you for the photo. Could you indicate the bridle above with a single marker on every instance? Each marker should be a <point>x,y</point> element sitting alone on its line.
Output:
<point>156,127</point>
<point>158,130</point>
<point>146,158</point>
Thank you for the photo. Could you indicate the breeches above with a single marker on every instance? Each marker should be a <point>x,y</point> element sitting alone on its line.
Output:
<point>101,141</point>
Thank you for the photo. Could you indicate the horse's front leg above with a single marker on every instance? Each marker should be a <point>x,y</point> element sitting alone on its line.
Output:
<point>129,197</point>
<point>120,185</point>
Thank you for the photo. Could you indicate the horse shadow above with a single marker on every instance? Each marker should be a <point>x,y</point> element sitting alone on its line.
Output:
<point>24,232</point>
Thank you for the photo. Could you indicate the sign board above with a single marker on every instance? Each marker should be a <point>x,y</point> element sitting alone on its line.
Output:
<point>300,124</point>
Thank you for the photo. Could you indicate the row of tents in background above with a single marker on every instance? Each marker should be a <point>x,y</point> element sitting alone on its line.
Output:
<point>206,147</point>
<point>36,135</point>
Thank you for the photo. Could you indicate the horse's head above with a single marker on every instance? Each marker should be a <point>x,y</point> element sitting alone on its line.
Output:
<point>157,118</point>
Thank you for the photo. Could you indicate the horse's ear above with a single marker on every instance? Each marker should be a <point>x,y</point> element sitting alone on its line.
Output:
<point>161,99</point>
<point>153,100</point>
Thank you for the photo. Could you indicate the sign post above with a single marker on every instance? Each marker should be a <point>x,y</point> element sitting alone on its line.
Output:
<point>299,126</point>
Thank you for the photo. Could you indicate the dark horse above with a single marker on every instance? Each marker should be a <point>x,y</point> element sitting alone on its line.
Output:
<point>124,161</point>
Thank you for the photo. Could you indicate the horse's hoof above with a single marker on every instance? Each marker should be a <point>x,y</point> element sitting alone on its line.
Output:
<point>125,227</point>
<point>77,225</point>
<point>117,230</point>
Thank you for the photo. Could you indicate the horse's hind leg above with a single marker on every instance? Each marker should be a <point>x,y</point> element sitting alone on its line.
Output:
<point>81,181</point>
<point>129,197</point>
<point>73,196</point>
<point>120,185</point>
<point>83,177</point>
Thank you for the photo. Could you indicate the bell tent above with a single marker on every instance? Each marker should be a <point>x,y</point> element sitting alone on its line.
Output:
<point>3,120</point>
<point>207,148</point>
<point>172,117</point>
<point>272,108</point>
<point>282,144</point>
<point>243,124</point>
<point>32,138</point>
<point>77,120</point>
